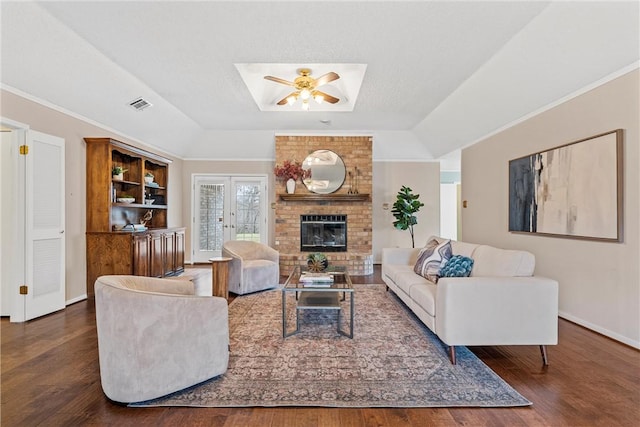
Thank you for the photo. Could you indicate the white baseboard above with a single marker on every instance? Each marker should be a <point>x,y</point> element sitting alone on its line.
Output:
<point>599,329</point>
<point>76,299</point>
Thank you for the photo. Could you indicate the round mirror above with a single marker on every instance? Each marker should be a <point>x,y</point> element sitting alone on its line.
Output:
<point>327,172</point>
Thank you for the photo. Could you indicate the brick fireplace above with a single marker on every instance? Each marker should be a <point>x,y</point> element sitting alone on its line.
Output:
<point>356,153</point>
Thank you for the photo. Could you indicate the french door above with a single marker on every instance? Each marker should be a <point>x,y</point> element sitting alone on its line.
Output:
<point>227,208</point>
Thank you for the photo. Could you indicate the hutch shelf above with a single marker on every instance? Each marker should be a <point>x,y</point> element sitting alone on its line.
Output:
<point>127,229</point>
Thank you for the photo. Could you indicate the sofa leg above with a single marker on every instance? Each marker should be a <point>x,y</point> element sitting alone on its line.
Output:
<point>543,352</point>
<point>452,354</point>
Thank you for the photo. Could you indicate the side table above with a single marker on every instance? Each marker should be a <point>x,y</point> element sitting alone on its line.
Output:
<point>220,276</point>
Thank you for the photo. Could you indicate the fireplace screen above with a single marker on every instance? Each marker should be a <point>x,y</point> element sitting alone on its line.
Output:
<point>323,233</point>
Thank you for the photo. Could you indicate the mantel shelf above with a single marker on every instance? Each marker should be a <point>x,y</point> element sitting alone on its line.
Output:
<point>309,197</point>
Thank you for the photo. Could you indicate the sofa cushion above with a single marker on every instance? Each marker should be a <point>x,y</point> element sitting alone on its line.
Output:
<point>424,295</point>
<point>408,279</point>
<point>463,248</point>
<point>490,261</point>
<point>457,247</point>
<point>457,266</point>
<point>431,258</point>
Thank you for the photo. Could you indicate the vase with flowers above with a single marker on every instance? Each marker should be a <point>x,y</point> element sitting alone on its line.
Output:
<point>290,172</point>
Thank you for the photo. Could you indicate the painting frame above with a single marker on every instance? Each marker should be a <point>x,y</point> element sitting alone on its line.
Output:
<point>571,191</point>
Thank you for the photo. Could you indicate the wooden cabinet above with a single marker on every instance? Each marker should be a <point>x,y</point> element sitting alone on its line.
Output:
<point>106,195</point>
<point>140,255</point>
<point>147,253</point>
<point>169,255</point>
<point>179,248</point>
<point>156,260</point>
<point>116,243</point>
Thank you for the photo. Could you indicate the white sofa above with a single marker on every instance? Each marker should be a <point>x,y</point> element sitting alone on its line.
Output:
<point>501,303</point>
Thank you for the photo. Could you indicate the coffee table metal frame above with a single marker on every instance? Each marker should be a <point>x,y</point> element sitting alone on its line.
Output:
<point>318,298</point>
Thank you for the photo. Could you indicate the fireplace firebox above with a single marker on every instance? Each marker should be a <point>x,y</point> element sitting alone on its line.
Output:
<point>323,233</point>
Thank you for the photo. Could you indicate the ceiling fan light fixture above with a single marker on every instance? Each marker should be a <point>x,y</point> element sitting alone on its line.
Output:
<point>305,88</point>
<point>305,94</point>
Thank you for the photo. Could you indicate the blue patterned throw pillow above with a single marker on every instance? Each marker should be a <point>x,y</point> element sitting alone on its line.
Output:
<point>431,258</point>
<point>457,266</point>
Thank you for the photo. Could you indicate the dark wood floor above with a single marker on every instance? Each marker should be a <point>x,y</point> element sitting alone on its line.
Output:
<point>50,377</point>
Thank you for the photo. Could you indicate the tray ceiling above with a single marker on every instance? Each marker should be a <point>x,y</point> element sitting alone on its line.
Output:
<point>439,76</point>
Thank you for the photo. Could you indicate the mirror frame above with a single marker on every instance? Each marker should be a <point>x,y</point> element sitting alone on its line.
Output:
<point>334,185</point>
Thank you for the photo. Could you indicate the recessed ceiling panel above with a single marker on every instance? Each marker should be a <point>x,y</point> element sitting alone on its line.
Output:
<point>267,93</point>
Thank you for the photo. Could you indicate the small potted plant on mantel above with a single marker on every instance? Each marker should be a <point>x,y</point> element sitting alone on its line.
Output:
<point>117,173</point>
<point>290,172</point>
<point>148,177</point>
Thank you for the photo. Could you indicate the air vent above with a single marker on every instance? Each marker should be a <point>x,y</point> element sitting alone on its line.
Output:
<point>140,104</point>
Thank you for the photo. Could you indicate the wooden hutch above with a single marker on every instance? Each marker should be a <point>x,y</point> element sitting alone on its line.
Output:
<point>116,241</point>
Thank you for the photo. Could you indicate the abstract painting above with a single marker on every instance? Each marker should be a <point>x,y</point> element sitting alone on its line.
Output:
<point>574,190</point>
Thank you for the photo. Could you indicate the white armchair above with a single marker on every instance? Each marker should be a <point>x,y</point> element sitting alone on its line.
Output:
<point>254,266</point>
<point>156,337</point>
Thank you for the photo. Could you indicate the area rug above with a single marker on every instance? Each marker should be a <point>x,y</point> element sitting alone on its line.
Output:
<point>392,361</point>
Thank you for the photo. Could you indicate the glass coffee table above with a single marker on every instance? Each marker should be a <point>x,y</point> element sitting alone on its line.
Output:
<point>315,291</point>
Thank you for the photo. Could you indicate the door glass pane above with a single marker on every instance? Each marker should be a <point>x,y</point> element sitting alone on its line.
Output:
<point>248,214</point>
<point>211,216</point>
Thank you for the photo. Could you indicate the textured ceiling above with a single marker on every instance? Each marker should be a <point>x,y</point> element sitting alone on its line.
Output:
<point>439,74</point>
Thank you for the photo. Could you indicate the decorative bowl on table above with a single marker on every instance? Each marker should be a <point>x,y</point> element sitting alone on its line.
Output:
<point>317,262</point>
<point>125,199</point>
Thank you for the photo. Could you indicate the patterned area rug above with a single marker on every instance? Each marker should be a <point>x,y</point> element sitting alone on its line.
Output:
<point>392,361</point>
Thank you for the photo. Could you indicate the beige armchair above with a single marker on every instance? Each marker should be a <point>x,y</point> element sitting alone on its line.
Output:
<point>156,337</point>
<point>254,266</point>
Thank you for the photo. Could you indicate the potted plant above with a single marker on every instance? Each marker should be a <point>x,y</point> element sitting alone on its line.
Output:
<point>290,172</point>
<point>148,177</point>
<point>406,205</point>
<point>117,173</point>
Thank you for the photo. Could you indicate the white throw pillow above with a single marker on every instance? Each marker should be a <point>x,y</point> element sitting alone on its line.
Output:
<point>431,258</point>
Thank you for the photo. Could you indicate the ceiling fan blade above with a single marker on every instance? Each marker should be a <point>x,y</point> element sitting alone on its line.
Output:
<point>326,78</point>
<point>283,101</point>
<point>279,80</point>
<point>327,98</point>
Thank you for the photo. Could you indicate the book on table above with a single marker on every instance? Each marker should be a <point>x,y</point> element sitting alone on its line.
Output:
<point>316,279</point>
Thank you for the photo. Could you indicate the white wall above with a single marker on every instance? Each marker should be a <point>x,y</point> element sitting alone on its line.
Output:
<point>388,177</point>
<point>449,194</point>
<point>73,130</point>
<point>599,281</point>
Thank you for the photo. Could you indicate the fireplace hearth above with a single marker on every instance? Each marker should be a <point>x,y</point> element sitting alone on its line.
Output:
<point>323,233</point>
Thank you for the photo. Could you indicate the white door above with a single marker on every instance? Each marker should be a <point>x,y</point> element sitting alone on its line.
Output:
<point>226,208</point>
<point>42,169</point>
<point>8,220</point>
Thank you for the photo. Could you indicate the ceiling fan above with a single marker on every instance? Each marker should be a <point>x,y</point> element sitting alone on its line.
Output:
<point>306,88</point>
